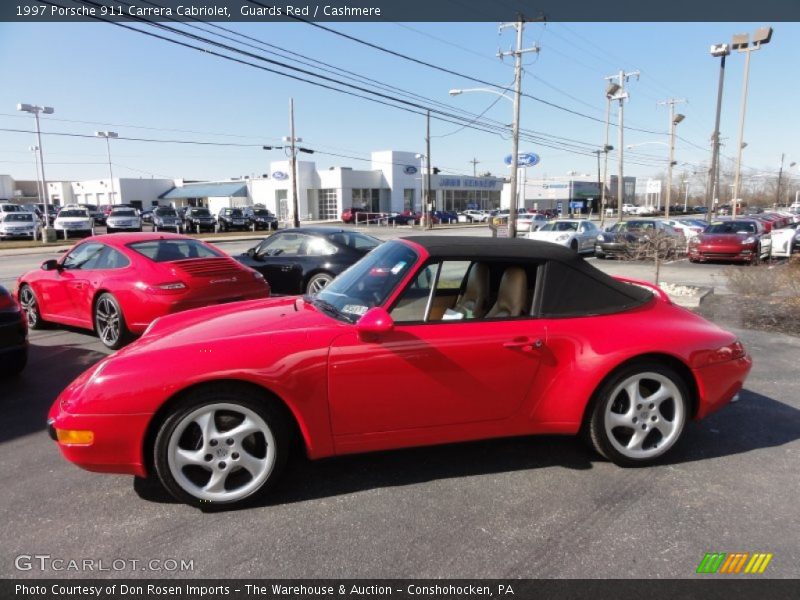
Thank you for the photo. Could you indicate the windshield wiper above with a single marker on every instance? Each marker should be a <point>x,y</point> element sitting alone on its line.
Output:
<point>328,308</point>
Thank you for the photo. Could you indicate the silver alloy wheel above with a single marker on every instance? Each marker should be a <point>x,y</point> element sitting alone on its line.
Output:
<point>318,283</point>
<point>28,302</point>
<point>644,415</point>
<point>107,321</point>
<point>208,461</point>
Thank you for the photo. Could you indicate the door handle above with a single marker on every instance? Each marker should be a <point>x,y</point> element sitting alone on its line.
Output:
<point>525,345</point>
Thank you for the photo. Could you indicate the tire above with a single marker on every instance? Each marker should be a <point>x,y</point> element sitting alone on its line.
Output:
<point>318,282</point>
<point>756,260</point>
<point>30,304</point>
<point>109,230</point>
<point>109,322</point>
<point>194,450</point>
<point>628,431</point>
<point>573,245</point>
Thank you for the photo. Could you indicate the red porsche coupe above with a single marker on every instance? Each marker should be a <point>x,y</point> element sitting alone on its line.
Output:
<point>118,284</point>
<point>426,340</point>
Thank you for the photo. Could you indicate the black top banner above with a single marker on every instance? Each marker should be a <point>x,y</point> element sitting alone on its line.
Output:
<point>762,11</point>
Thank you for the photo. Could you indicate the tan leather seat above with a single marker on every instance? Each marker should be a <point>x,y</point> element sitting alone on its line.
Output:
<point>512,296</point>
<point>472,303</point>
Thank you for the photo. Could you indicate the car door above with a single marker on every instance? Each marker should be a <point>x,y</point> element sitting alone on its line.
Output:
<point>427,374</point>
<point>80,278</point>
<point>587,233</point>
<point>91,276</point>
<point>278,259</point>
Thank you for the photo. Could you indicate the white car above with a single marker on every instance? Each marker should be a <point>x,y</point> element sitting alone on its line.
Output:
<point>74,220</point>
<point>785,240</point>
<point>578,234</point>
<point>527,222</point>
<point>688,228</point>
<point>18,224</point>
<point>123,219</point>
<point>473,216</point>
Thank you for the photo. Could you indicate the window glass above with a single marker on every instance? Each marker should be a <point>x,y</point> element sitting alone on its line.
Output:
<point>370,281</point>
<point>169,250</point>
<point>73,213</point>
<point>412,303</point>
<point>123,212</point>
<point>111,259</point>
<point>283,244</point>
<point>83,256</point>
<point>18,216</point>
<point>732,227</point>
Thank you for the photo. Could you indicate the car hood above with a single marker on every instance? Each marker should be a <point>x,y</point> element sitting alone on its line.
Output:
<point>235,320</point>
<point>723,238</point>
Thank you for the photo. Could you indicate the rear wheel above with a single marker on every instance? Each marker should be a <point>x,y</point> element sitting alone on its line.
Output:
<point>318,283</point>
<point>639,414</point>
<point>30,305</point>
<point>109,322</point>
<point>574,245</point>
<point>223,445</point>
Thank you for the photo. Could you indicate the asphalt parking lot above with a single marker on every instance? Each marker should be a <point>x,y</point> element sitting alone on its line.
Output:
<point>529,507</point>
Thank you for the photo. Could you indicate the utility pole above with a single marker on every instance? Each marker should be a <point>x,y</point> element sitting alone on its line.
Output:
<point>474,162</point>
<point>673,121</point>
<point>620,94</point>
<point>606,149</point>
<point>426,211</point>
<point>517,54</point>
<point>293,141</point>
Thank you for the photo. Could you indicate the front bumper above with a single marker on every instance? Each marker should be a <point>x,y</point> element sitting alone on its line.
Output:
<point>744,254</point>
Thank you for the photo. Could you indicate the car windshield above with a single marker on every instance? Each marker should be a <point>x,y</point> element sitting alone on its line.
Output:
<point>367,283</point>
<point>560,226</point>
<point>355,240</point>
<point>200,212</point>
<point>261,212</point>
<point>10,208</point>
<point>641,225</point>
<point>72,213</point>
<point>125,212</point>
<point>20,216</point>
<point>732,227</point>
<point>165,212</point>
<point>175,249</point>
<point>235,213</point>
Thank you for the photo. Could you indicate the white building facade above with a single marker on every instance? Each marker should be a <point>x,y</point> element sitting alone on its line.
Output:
<point>141,193</point>
<point>394,183</point>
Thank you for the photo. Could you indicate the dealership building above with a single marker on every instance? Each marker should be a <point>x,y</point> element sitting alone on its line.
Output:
<point>559,192</point>
<point>393,183</point>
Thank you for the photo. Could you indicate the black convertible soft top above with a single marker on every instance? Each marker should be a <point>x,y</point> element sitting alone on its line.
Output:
<point>573,287</point>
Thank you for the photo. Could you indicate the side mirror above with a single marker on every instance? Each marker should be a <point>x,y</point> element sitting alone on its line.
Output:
<point>51,265</point>
<point>374,322</point>
<point>251,252</point>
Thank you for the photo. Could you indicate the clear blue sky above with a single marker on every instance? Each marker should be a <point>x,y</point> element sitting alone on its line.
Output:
<point>99,73</point>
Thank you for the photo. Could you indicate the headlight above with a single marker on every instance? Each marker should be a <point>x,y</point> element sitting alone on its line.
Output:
<point>748,240</point>
<point>600,237</point>
<point>563,238</point>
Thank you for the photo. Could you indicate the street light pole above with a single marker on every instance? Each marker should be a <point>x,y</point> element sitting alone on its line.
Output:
<point>741,43</point>
<point>48,232</point>
<point>39,192</point>
<point>108,135</point>
<point>605,164</point>
<point>673,121</point>
<point>722,51</point>
<point>616,91</point>
<point>293,140</point>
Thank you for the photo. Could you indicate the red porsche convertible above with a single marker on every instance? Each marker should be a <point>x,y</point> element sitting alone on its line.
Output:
<point>426,340</point>
<point>118,284</point>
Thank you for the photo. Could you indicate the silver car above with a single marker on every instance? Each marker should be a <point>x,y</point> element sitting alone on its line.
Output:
<point>123,219</point>
<point>577,234</point>
<point>21,224</point>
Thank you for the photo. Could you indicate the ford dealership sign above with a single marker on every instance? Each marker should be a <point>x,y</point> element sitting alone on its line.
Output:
<point>410,170</point>
<point>524,159</point>
<point>279,175</point>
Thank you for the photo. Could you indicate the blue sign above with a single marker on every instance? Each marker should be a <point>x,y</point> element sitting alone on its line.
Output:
<point>410,170</point>
<point>280,175</point>
<point>576,204</point>
<point>560,206</point>
<point>524,159</point>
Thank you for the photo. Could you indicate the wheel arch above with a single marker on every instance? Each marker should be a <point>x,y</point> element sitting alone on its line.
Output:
<point>673,362</point>
<point>297,433</point>
<point>316,271</point>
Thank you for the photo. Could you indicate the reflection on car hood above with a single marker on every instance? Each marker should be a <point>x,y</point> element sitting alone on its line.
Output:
<point>234,320</point>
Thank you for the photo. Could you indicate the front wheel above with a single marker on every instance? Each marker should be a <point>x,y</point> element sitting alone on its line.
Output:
<point>639,414</point>
<point>30,305</point>
<point>318,283</point>
<point>221,446</point>
<point>109,322</point>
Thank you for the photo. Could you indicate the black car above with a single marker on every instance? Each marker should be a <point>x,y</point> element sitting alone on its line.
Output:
<point>261,218</point>
<point>52,211</point>
<point>306,259</point>
<point>147,215</point>
<point>13,335</point>
<point>626,238</point>
<point>166,217</point>
<point>198,218</point>
<point>229,219</point>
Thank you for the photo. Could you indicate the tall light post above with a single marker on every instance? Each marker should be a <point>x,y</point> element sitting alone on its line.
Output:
<point>39,192</point>
<point>424,187</point>
<point>621,95</point>
<point>686,196</point>
<point>673,121</point>
<point>601,184</point>
<point>610,91</point>
<point>720,51</point>
<point>741,43</point>
<point>48,233</point>
<point>780,176</point>
<point>108,135</point>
